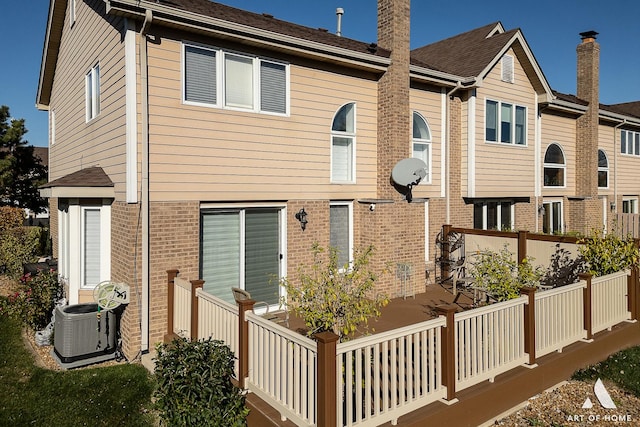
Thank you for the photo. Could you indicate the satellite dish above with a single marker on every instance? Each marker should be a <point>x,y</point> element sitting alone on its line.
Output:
<point>110,295</point>
<point>408,173</point>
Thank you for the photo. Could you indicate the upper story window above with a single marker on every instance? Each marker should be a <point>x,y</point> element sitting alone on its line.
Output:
<point>603,170</point>
<point>215,77</point>
<point>507,69</point>
<point>343,138</point>
<point>421,143</point>
<point>92,90</point>
<point>630,142</point>
<point>554,167</point>
<point>506,123</point>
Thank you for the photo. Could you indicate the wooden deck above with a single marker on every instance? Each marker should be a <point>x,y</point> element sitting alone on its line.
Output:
<point>483,403</point>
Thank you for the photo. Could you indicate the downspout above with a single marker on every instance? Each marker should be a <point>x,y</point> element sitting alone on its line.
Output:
<point>144,197</point>
<point>448,152</point>
<point>615,163</point>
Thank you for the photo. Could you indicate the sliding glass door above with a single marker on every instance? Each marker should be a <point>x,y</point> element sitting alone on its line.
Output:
<point>241,248</point>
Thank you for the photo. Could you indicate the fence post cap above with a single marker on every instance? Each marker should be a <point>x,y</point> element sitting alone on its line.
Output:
<point>326,337</point>
<point>446,309</point>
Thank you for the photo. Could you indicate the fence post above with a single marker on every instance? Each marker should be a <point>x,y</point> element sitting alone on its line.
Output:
<point>171,276</point>
<point>530,323</point>
<point>195,284</point>
<point>326,396</point>
<point>633,305</point>
<point>587,304</point>
<point>522,245</point>
<point>243,340</point>
<point>448,351</point>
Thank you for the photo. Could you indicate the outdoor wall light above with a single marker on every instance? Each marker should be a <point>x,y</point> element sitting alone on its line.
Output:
<point>301,216</point>
<point>541,209</point>
<point>612,206</point>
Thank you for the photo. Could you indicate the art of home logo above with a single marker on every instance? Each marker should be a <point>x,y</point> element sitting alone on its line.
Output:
<point>605,401</point>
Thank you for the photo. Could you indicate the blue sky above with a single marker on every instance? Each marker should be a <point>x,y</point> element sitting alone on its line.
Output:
<point>551,28</point>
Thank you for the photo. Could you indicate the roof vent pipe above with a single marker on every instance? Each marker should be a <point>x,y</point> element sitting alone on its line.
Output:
<point>339,13</point>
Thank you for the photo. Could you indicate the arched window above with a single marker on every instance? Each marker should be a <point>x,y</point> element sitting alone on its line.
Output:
<point>343,138</point>
<point>603,170</point>
<point>554,167</point>
<point>421,142</point>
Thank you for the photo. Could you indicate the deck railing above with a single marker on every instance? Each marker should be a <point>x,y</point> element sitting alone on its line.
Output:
<point>609,300</point>
<point>376,379</point>
<point>489,341</point>
<point>559,317</point>
<point>387,375</point>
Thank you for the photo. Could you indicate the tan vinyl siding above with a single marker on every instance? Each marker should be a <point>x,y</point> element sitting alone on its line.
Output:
<point>514,174</point>
<point>427,102</point>
<point>561,130</point>
<point>611,147</point>
<point>627,165</point>
<point>207,153</point>
<point>79,144</point>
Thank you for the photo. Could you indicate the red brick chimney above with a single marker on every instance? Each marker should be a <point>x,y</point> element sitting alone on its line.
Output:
<point>588,215</point>
<point>393,92</point>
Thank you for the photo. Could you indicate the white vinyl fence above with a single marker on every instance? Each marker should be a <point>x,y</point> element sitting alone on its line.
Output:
<point>609,301</point>
<point>182,302</point>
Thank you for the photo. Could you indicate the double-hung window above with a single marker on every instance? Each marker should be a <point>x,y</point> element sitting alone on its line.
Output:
<point>603,170</point>
<point>341,231</point>
<point>630,142</point>
<point>554,166</point>
<point>215,77</point>
<point>343,139</point>
<point>421,143</point>
<point>92,91</point>
<point>505,123</point>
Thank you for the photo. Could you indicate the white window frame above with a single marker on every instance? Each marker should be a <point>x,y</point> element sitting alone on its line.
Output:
<point>630,143</point>
<point>424,143</point>
<point>485,214</point>
<point>603,169</point>
<point>351,136</point>
<point>512,120</point>
<point>221,80</point>
<point>551,203</point>
<point>630,204</point>
<point>92,92</point>
<point>349,205</point>
<point>561,166</point>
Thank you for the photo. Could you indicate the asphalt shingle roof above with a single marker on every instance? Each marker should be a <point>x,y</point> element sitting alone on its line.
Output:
<point>89,177</point>
<point>466,54</point>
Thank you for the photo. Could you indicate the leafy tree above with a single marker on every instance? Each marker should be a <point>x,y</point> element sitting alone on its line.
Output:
<point>336,298</point>
<point>20,171</point>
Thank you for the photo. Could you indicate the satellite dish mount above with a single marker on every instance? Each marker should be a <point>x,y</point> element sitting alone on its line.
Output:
<point>408,173</point>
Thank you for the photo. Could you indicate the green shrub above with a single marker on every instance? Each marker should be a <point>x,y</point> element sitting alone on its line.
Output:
<point>19,246</point>
<point>194,385</point>
<point>501,275</point>
<point>607,254</point>
<point>333,297</point>
<point>34,300</point>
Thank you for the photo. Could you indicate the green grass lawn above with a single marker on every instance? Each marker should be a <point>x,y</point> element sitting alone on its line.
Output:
<point>106,396</point>
<point>622,368</point>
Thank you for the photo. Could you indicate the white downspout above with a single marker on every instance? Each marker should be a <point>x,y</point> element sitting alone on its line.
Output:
<point>144,89</point>
<point>615,163</point>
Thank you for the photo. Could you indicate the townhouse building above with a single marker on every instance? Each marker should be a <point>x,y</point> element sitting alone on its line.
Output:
<point>190,135</point>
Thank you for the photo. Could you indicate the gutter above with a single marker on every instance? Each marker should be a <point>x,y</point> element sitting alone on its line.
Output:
<point>193,21</point>
<point>144,196</point>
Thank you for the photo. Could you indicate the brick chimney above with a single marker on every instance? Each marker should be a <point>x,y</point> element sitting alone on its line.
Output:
<point>588,216</point>
<point>393,92</point>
